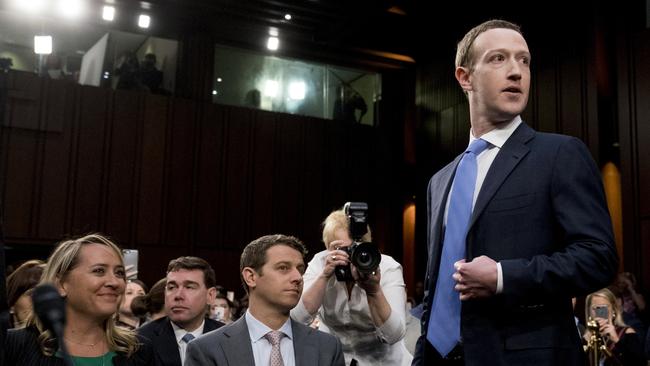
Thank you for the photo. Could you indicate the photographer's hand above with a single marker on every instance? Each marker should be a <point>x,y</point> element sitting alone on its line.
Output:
<point>379,307</point>
<point>607,329</point>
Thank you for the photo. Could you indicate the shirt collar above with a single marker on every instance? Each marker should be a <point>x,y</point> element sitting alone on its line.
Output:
<point>258,330</point>
<point>500,134</point>
<point>180,332</point>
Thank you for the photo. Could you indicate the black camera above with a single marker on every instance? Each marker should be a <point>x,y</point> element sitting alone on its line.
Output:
<point>365,256</point>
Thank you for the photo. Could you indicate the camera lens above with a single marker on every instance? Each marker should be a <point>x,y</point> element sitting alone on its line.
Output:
<point>366,257</point>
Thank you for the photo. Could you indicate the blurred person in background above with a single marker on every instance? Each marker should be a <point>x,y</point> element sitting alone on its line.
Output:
<point>366,314</point>
<point>126,318</point>
<point>89,273</point>
<point>152,305</point>
<point>20,284</point>
<point>621,340</point>
<point>222,309</point>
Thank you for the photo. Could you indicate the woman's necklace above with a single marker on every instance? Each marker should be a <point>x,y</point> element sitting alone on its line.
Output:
<point>91,345</point>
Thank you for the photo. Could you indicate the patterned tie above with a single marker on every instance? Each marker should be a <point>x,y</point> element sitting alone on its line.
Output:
<point>443,331</point>
<point>187,337</point>
<point>274,338</point>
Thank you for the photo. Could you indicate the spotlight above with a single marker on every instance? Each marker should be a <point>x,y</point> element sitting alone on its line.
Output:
<point>144,21</point>
<point>219,80</point>
<point>297,90</point>
<point>271,88</point>
<point>108,13</point>
<point>273,43</point>
<point>43,45</point>
<point>287,16</point>
<point>70,8</point>
<point>214,92</point>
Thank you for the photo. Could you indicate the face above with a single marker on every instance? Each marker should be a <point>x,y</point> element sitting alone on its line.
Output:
<point>341,239</point>
<point>187,298</point>
<point>221,305</point>
<point>278,285</point>
<point>132,290</point>
<point>94,288</point>
<point>597,301</point>
<point>499,83</point>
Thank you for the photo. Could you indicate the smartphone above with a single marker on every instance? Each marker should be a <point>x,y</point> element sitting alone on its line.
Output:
<point>130,263</point>
<point>230,295</point>
<point>601,311</point>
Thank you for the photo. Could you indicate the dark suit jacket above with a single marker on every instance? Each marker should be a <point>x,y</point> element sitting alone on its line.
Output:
<point>541,213</point>
<point>23,348</point>
<point>163,341</point>
<point>231,346</point>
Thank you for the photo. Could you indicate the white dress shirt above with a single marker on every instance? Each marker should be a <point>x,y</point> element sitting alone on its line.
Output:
<point>497,138</point>
<point>180,333</point>
<point>262,347</point>
<point>350,320</point>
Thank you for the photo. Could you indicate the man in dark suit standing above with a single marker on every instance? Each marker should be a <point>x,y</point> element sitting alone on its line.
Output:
<point>190,288</point>
<point>271,269</point>
<point>518,224</point>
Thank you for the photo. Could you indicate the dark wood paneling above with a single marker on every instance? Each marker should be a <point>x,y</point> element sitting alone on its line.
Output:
<point>263,155</point>
<point>289,179</point>
<point>151,174</point>
<point>237,178</point>
<point>179,171</point>
<point>88,184</point>
<point>210,174</point>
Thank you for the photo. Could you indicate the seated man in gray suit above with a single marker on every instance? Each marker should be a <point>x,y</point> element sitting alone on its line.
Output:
<point>190,288</point>
<point>271,270</point>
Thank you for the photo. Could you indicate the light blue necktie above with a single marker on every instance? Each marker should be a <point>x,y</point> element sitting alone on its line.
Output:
<point>187,337</point>
<point>443,331</point>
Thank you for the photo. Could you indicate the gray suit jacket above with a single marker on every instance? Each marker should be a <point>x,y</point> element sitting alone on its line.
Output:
<point>231,346</point>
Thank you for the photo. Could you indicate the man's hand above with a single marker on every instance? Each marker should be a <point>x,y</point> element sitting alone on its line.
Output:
<point>476,279</point>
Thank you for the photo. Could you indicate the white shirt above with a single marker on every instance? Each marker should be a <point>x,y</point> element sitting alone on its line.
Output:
<point>497,138</point>
<point>180,333</point>
<point>262,347</point>
<point>350,320</point>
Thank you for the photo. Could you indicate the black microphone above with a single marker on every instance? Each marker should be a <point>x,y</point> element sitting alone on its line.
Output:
<point>49,306</point>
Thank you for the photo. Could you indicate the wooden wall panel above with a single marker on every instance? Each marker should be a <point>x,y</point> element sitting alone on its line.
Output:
<point>210,174</point>
<point>20,173</point>
<point>151,175</point>
<point>179,173</point>
<point>55,170</point>
<point>237,177</point>
<point>263,155</point>
<point>289,178</point>
<point>313,205</point>
<point>88,185</point>
<point>121,167</point>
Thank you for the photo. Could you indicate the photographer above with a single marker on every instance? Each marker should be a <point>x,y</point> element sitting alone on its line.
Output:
<point>367,311</point>
<point>621,341</point>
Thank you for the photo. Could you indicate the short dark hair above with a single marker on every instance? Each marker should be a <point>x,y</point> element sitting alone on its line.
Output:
<point>464,54</point>
<point>192,263</point>
<point>151,303</point>
<point>254,254</point>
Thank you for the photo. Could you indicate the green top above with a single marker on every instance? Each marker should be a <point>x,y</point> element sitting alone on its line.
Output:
<point>104,360</point>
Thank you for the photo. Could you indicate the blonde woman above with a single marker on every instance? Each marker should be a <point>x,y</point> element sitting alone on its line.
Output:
<point>89,273</point>
<point>366,314</point>
<point>626,348</point>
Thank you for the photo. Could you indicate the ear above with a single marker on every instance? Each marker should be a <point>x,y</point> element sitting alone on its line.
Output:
<point>463,76</point>
<point>211,296</point>
<point>250,277</point>
<point>60,285</point>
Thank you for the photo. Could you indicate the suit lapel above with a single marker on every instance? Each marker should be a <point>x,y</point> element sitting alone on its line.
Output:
<point>237,344</point>
<point>167,347</point>
<point>438,192</point>
<point>305,348</point>
<point>506,160</point>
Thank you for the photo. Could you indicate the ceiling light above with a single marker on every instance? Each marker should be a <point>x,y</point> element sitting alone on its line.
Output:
<point>297,90</point>
<point>108,13</point>
<point>271,88</point>
<point>144,21</point>
<point>273,31</point>
<point>214,92</point>
<point>287,16</point>
<point>43,45</point>
<point>273,43</point>
<point>219,80</point>
<point>70,8</point>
